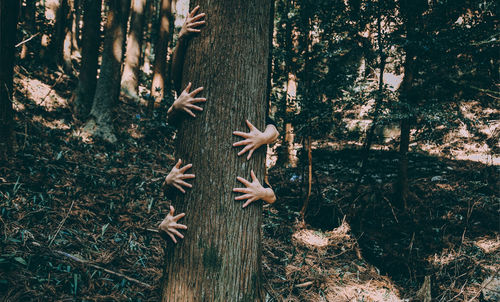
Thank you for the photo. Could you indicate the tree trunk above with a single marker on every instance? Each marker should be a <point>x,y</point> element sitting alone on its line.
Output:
<point>91,37</point>
<point>100,123</point>
<point>9,11</point>
<point>75,27</point>
<point>308,146</point>
<point>29,17</point>
<point>220,257</point>
<point>161,47</point>
<point>376,112</point>
<point>146,64</point>
<point>60,44</point>
<point>411,11</point>
<point>130,78</point>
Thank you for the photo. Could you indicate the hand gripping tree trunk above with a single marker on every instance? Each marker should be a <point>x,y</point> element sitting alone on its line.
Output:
<point>219,258</point>
<point>108,85</point>
<point>8,21</point>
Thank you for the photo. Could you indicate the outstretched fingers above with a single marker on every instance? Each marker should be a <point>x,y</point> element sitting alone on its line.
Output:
<point>247,147</point>
<point>179,188</point>
<point>242,134</point>
<point>185,168</point>
<point>243,181</point>
<point>193,12</point>
<point>196,91</point>
<point>248,202</point>
<point>242,197</point>
<point>241,143</point>
<point>177,217</point>
<point>250,126</point>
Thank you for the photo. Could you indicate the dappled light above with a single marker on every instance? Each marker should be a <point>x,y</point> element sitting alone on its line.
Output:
<point>352,154</point>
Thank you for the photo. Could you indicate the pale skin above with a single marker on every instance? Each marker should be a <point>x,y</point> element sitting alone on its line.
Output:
<point>186,102</point>
<point>254,191</point>
<point>255,138</point>
<point>177,177</point>
<point>170,226</point>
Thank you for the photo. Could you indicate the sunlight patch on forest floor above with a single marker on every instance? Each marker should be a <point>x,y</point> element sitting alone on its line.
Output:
<point>41,93</point>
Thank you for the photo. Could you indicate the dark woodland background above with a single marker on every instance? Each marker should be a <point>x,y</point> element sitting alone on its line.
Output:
<point>386,170</point>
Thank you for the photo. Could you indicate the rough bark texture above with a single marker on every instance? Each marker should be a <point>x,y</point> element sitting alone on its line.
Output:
<point>220,256</point>
<point>29,16</point>
<point>130,78</point>
<point>108,84</point>
<point>161,48</point>
<point>9,10</point>
<point>91,37</point>
<point>60,44</point>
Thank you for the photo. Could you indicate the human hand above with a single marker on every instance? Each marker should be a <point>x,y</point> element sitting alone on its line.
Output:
<point>191,24</point>
<point>254,191</point>
<point>176,177</point>
<point>253,140</point>
<point>170,226</point>
<point>185,102</point>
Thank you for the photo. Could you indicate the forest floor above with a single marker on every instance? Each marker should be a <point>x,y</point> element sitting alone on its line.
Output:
<point>78,219</point>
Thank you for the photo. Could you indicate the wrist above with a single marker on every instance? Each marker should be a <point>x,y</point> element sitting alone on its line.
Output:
<point>269,196</point>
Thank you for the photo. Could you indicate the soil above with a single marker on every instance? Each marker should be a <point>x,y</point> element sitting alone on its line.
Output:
<point>78,217</point>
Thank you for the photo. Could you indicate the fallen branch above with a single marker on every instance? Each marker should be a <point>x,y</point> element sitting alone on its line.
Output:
<point>27,40</point>
<point>88,263</point>
<point>61,223</point>
<point>305,284</point>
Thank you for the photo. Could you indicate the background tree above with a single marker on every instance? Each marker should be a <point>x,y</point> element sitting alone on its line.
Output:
<point>9,11</point>
<point>91,42</point>
<point>219,258</point>
<point>100,123</point>
<point>161,49</point>
<point>130,77</point>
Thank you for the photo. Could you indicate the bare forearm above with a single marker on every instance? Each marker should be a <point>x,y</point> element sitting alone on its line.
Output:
<point>178,62</point>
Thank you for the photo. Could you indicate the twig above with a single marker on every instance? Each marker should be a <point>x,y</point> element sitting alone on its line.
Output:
<point>27,40</point>
<point>62,222</point>
<point>52,88</point>
<point>305,284</point>
<point>86,262</point>
<point>482,287</point>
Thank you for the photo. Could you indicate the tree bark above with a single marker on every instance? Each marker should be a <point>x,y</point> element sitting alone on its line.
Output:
<point>9,11</point>
<point>100,123</point>
<point>91,38</point>
<point>411,11</point>
<point>60,44</point>
<point>220,257</point>
<point>130,78</point>
<point>161,48</point>
<point>29,17</point>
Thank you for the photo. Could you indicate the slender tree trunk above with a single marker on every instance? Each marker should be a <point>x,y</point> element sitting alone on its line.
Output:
<point>9,11</point>
<point>376,112</point>
<point>29,18</point>
<point>75,27</point>
<point>220,257</point>
<point>91,41</point>
<point>161,48</point>
<point>100,123</point>
<point>146,64</point>
<point>130,78</point>
<point>60,44</point>
<point>309,178</point>
<point>47,43</point>
<point>411,11</point>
